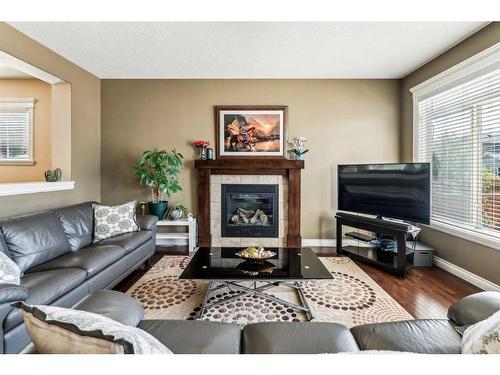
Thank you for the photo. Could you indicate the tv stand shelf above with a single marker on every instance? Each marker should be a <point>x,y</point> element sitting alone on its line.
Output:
<point>396,263</point>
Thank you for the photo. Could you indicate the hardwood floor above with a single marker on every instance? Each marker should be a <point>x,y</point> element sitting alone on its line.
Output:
<point>426,292</point>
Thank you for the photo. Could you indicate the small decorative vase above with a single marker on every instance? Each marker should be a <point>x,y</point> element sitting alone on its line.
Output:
<point>299,157</point>
<point>175,214</point>
<point>210,154</point>
<point>53,176</point>
<point>203,153</point>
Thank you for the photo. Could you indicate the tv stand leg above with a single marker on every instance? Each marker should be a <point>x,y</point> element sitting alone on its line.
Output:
<point>339,236</point>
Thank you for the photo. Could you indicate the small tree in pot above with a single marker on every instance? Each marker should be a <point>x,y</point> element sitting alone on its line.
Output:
<point>159,170</point>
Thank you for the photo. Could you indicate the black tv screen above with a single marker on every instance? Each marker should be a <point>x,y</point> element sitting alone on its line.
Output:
<point>399,191</point>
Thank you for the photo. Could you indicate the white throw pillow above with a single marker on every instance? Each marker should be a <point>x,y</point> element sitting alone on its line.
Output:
<point>57,330</point>
<point>110,221</point>
<point>10,273</point>
<point>483,337</point>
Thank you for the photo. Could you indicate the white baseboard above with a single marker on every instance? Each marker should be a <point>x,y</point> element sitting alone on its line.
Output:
<point>466,275</point>
<point>326,242</point>
<point>438,262</point>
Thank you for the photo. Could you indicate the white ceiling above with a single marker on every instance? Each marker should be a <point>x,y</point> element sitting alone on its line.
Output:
<point>249,49</point>
<point>7,72</point>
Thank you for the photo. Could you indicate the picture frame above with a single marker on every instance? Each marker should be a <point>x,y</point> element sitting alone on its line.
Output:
<point>251,131</point>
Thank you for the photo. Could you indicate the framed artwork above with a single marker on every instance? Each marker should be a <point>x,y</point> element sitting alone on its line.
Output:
<point>251,131</point>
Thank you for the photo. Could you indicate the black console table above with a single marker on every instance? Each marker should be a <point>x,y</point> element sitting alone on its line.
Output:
<point>396,262</point>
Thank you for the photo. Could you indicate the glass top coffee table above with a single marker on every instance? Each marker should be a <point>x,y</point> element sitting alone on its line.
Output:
<point>222,268</point>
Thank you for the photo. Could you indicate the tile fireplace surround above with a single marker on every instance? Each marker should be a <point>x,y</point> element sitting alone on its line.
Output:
<point>212,174</point>
<point>215,209</point>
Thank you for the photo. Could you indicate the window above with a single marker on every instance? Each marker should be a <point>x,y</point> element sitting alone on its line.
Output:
<point>16,131</point>
<point>457,130</point>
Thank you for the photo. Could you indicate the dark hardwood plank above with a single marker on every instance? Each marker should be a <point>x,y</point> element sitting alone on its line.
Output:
<point>426,292</point>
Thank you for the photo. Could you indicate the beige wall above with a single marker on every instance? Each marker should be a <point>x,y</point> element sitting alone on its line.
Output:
<point>345,121</point>
<point>478,259</point>
<point>85,127</point>
<point>41,92</point>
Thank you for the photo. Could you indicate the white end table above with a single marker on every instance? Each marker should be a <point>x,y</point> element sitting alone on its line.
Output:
<point>190,236</point>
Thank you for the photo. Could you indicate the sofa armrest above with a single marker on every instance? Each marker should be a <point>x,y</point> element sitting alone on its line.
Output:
<point>147,222</point>
<point>9,293</point>
<point>12,293</point>
<point>474,308</point>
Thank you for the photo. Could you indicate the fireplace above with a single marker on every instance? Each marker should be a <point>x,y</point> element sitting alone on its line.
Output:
<point>249,210</point>
<point>212,174</point>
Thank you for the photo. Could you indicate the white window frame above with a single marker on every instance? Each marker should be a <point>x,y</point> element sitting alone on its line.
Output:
<point>23,103</point>
<point>476,66</point>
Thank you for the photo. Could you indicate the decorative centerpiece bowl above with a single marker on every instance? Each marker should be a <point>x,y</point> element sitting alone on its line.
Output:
<point>254,268</point>
<point>255,254</point>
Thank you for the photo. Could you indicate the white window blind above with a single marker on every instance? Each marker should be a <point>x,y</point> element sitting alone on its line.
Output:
<point>16,130</point>
<point>458,132</point>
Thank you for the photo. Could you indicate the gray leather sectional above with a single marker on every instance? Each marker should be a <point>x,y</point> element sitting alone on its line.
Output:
<point>61,265</point>
<point>433,336</point>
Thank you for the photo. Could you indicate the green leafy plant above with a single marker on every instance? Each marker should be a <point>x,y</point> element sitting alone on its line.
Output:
<point>178,207</point>
<point>159,170</point>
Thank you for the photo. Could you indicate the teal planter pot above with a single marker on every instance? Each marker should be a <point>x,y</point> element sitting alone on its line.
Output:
<point>158,209</point>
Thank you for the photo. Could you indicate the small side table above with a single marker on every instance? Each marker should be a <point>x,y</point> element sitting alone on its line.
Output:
<point>190,235</point>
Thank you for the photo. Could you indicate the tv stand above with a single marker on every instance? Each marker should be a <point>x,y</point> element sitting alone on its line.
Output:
<point>396,262</point>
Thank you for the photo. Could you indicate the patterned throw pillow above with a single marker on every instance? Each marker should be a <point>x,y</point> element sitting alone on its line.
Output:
<point>483,337</point>
<point>10,273</point>
<point>110,221</point>
<point>57,330</point>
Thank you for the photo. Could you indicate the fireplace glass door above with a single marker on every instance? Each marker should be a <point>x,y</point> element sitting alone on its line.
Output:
<point>249,211</point>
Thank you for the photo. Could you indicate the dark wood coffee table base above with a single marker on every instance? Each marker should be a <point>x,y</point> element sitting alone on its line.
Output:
<point>255,290</point>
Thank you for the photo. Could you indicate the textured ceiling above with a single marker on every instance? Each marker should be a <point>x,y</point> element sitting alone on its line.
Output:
<point>249,49</point>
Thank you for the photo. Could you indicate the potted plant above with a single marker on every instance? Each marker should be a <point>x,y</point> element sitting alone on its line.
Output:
<point>298,149</point>
<point>177,212</point>
<point>159,170</point>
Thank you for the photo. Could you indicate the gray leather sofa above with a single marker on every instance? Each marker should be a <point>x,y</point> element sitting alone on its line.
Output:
<point>434,336</point>
<point>61,265</point>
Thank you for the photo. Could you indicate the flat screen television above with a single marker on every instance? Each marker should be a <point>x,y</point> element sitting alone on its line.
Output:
<point>399,191</point>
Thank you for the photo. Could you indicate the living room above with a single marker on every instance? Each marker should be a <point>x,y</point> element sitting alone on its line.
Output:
<point>250,187</point>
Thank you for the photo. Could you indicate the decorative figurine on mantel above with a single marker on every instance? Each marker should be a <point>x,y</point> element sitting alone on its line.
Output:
<point>53,176</point>
<point>202,146</point>
<point>298,144</point>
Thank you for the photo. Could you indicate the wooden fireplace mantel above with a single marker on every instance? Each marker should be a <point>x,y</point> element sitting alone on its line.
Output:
<point>289,168</point>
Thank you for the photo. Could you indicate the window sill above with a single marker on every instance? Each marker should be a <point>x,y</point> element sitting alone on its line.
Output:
<point>7,189</point>
<point>466,234</point>
<point>17,162</point>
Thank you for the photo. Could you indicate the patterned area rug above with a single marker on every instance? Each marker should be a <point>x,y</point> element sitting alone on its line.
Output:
<point>350,298</point>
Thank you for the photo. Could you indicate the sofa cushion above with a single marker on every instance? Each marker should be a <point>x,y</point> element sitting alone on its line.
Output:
<point>114,305</point>
<point>432,336</point>
<point>110,221</point>
<point>297,338</point>
<point>10,273</point>
<point>44,288</point>
<point>474,308</point>
<point>483,337</point>
<point>195,337</point>
<point>34,239</point>
<point>78,224</point>
<point>58,330</point>
<point>92,259</point>
<point>129,241</point>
